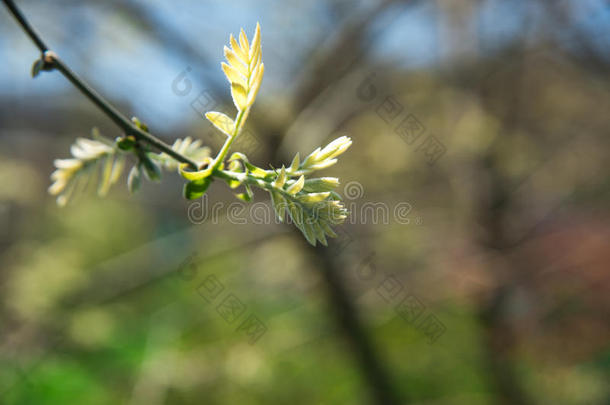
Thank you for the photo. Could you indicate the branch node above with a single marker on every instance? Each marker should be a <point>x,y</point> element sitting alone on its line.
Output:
<point>46,63</point>
<point>49,57</point>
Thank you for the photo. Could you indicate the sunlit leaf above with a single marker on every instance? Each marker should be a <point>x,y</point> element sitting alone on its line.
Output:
<point>237,50</point>
<point>281,178</point>
<point>235,62</point>
<point>296,186</point>
<point>221,121</point>
<point>233,75</point>
<point>93,159</point>
<point>313,197</point>
<point>194,175</point>
<point>243,42</point>
<point>240,96</point>
<point>186,147</point>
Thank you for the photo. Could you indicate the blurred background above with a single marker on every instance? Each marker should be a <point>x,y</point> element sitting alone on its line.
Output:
<point>474,266</point>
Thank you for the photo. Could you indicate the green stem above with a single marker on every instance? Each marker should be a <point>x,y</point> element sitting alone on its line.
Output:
<point>227,145</point>
<point>253,181</point>
<point>52,61</point>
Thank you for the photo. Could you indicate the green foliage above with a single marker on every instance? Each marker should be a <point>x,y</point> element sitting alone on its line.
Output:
<point>91,158</point>
<point>310,203</point>
<point>100,161</point>
<point>186,147</point>
<point>320,158</point>
<point>197,188</point>
<point>37,67</point>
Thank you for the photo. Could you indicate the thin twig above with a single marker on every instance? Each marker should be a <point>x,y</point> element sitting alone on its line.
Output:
<point>52,61</point>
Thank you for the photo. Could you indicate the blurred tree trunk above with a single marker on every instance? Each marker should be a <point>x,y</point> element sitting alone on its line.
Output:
<point>498,336</point>
<point>348,319</point>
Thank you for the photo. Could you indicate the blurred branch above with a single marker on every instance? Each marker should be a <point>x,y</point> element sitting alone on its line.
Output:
<point>494,201</point>
<point>50,60</point>
<point>590,57</point>
<point>349,47</point>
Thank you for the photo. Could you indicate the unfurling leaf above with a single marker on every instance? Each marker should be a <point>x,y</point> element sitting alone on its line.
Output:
<point>245,69</point>
<point>91,158</point>
<point>106,178</point>
<point>243,42</point>
<point>240,96</point>
<point>247,196</point>
<point>222,122</point>
<point>237,49</point>
<point>150,168</point>
<point>189,174</point>
<point>313,214</point>
<point>134,180</point>
<point>37,67</point>
<point>126,143</point>
<point>279,205</point>
<point>322,158</point>
<point>187,147</point>
<point>256,171</point>
<point>281,179</point>
<point>136,121</point>
<point>234,183</point>
<point>255,85</point>
<point>197,188</point>
<point>296,186</point>
<point>233,75</point>
<point>317,185</point>
<point>235,62</point>
<point>294,166</point>
<point>238,156</point>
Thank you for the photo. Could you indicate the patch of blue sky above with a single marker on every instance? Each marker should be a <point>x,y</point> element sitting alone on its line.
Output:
<point>409,40</point>
<point>501,22</point>
<point>592,18</point>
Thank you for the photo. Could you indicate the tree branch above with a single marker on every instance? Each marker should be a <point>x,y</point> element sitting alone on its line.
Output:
<point>52,61</point>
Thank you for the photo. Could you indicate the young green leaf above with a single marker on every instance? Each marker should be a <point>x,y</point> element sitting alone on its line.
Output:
<point>126,143</point>
<point>279,204</point>
<point>134,180</point>
<point>237,50</point>
<point>247,196</point>
<point>313,197</point>
<point>151,169</point>
<point>221,122</point>
<point>294,166</point>
<point>296,186</point>
<point>37,67</point>
<point>187,147</point>
<point>322,158</point>
<point>195,189</point>
<point>240,96</point>
<point>89,157</point>
<point>106,177</point>
<point>281,178</point>
<point>235,62</point>
<point>245,69</point>
<point>321,184</point>
<point>233,75</point>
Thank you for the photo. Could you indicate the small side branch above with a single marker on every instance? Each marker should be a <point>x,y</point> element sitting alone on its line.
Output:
<point>52,61</point>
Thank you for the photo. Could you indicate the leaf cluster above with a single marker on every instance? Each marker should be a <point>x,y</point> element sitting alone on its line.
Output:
<point>311,203</point>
